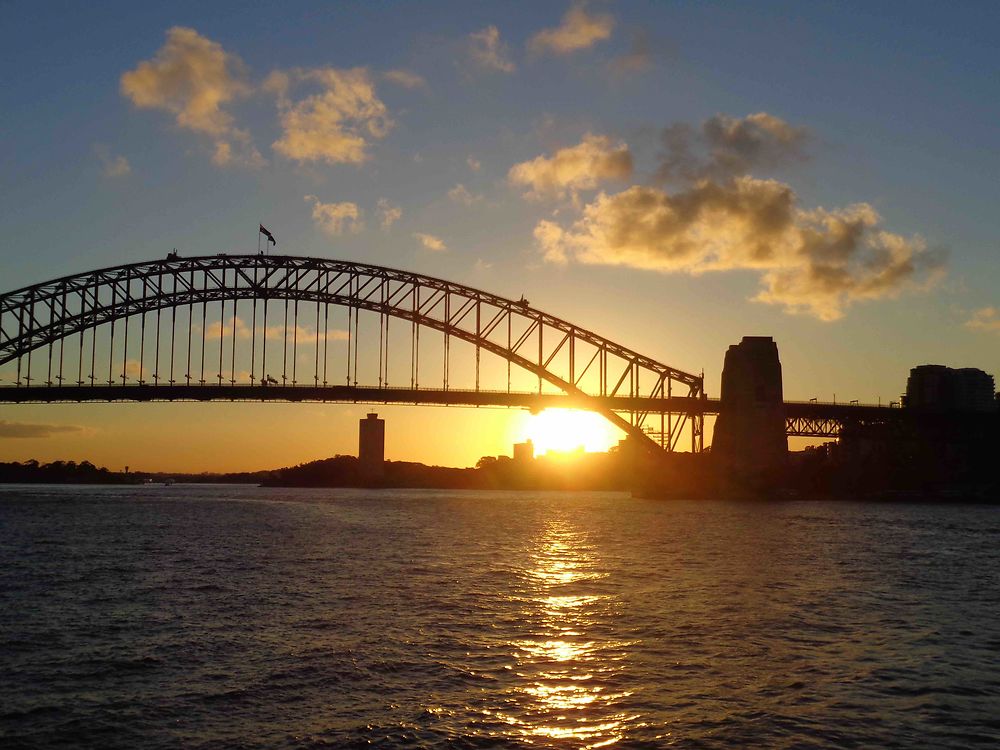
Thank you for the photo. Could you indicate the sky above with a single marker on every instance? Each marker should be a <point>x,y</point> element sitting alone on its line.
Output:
<point>672,175</point>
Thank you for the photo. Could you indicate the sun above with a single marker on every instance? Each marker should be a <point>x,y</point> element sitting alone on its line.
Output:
<point>569,430</point>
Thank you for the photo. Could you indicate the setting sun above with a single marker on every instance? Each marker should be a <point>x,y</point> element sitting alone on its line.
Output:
<point>568,430</point>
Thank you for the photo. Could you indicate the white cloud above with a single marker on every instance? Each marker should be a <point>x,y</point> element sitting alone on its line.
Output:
<point>405,78</point>
<point>387,213</point>
<point>193,78</point>
<point>336,218</point>
<point>578,30</point>
<point>430,242</point>
<point>335,125</point>
<point>461,194</point>
<point>487,51</point>
<point>594,159</point>
<point>817,262</point>
<point>474,164</point>
<point>985,319</point>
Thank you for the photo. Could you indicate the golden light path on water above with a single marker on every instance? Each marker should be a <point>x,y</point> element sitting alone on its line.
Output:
<point>570,669</point>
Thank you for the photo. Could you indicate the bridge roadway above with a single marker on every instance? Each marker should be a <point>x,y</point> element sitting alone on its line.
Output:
<point>810,418</point>
<point>802,418</point>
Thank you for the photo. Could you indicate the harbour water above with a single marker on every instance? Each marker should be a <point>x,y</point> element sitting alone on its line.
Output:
<point>240,617</point>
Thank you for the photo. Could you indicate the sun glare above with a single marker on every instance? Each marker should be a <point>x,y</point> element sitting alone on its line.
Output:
<point>569,430</point>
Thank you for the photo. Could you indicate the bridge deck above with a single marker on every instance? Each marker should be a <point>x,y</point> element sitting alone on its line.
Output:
<point>444,397</point>
<point>802,419</point>
<point>348,394</point>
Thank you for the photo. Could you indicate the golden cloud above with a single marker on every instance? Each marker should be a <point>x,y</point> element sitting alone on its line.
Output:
<point>815,262</point>
<point>594,159</point>
<point>243,331</point>
<point>334,125</point>
<point>578,30</point>
<point>192,78</point>
<point>984,319</point>
<point>430,242</point>
<point>336,218</point>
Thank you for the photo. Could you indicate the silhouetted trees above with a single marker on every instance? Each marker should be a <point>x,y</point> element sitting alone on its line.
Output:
<point>59,472</point>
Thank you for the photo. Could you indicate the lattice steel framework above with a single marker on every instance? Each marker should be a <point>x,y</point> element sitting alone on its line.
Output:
<point>38,320</point>
<point>802,426</point>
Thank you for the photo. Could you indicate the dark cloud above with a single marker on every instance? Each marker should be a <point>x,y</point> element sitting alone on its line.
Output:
<point>725,146</point>
<point>27,430</point>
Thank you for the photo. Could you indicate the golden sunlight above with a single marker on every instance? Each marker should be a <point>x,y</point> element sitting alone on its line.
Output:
<point>569,430</point>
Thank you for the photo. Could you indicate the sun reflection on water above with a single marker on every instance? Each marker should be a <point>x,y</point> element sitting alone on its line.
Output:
<point>569,667</point>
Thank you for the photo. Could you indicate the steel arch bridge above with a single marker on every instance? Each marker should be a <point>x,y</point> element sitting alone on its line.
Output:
<point>163,322</point>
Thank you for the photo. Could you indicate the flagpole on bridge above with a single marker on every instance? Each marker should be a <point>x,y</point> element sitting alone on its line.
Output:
<point>258,238</point>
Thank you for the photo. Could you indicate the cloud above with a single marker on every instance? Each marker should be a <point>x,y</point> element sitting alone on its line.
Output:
<point>430,242</point>
<point>192,78</point>
<point>638,59</point>
<point>487,51</point>
<point>111,165</point>
<point>239,149</point>
<point>594,159</point>
<point>28,430</point>
<point>816,262</point>
<point>335,125</point>
<point>405,78</point>
<point>727,146</point>
<point>303,333</point>
<point>336,218</point>
<point>718,217</point>
<point>461,194</point>
<point>474,164</point>
<point>578,30</point>
<point>387,213</point>
<point>985,319</point>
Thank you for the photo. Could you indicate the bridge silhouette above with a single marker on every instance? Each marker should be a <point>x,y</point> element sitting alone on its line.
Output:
<point>197,329</point>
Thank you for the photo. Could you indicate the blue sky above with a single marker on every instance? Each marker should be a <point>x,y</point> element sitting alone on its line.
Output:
<point>897,104</point>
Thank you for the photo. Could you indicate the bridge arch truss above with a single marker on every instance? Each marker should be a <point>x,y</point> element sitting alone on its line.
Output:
<point>169,303</point>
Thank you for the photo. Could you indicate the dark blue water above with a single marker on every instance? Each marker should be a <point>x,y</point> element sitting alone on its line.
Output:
<point>224,617</point>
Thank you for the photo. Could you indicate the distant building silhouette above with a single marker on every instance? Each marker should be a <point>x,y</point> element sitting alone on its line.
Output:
<point>750,430</point>
<point>524,451</point>
<point>371,446</point>
<point>936,388</point>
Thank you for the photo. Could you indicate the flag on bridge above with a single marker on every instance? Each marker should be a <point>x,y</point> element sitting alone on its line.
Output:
<point>270,237</point>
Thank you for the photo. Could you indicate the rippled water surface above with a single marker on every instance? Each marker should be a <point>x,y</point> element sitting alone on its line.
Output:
<point>163,617</point>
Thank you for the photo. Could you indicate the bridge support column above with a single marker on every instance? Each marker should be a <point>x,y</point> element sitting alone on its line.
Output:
<point>750,429</point>
<point>371,447</point>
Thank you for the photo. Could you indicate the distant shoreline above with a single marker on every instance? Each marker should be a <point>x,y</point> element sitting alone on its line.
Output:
<point>806,476</point>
